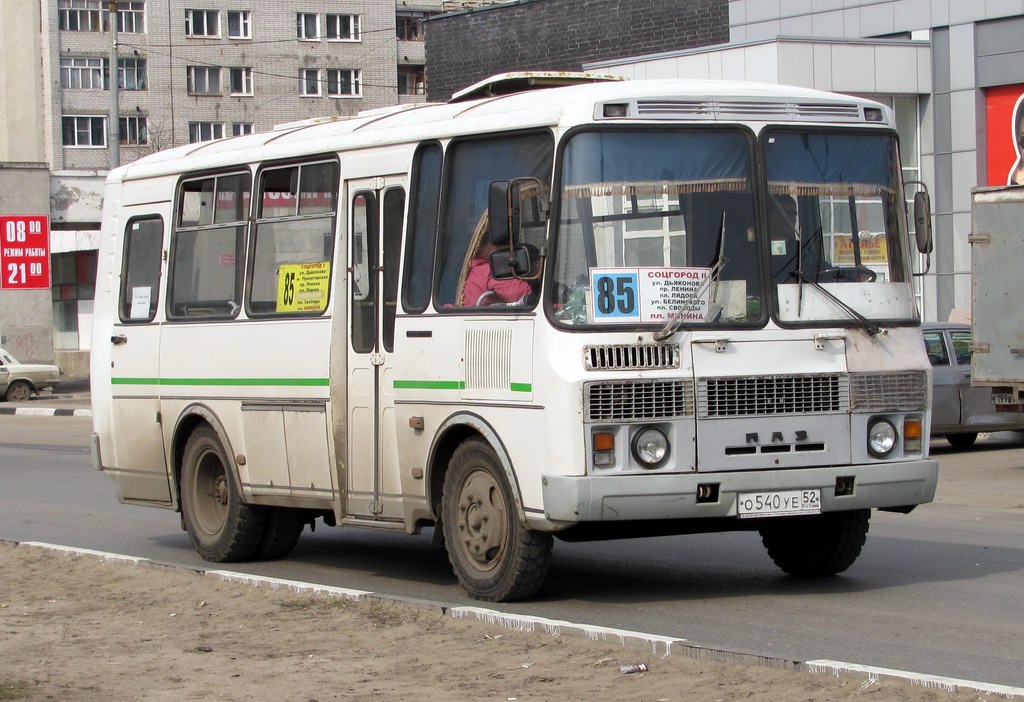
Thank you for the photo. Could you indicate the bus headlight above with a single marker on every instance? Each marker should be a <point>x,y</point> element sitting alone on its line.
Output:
<point>881,437</point>
<point>650,447</point>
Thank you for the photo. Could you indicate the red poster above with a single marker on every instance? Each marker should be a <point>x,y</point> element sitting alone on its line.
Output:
<point>24,252</point>
<point>1004,109</point>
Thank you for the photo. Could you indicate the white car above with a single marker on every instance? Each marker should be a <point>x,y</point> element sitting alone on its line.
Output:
<point>19,381</point>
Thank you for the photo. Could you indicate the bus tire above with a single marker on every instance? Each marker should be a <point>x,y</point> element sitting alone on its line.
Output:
<point>818,546</point>
<point>495,557</point>
<point>281,531</point>
<point>221,527</point>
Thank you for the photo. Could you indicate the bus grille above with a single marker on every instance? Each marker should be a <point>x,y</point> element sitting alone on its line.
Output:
<point>631,356</point>
<point>638,400</point>
<point>905,391</point>
<point>739,109</point>
<point>772,395</point>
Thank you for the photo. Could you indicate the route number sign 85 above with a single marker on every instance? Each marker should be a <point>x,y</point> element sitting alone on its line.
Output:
<point>616,296</point>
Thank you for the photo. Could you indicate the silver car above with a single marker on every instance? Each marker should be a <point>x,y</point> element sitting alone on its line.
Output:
<point>959,410</point>
<point>19,381</point>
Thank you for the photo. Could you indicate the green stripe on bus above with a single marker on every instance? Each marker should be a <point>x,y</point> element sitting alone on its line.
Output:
<point>429,385</point>
<point>521,387</point>
<point>226,382</point>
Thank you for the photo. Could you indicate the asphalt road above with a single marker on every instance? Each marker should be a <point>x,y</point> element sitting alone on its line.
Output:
<point>937,591</point>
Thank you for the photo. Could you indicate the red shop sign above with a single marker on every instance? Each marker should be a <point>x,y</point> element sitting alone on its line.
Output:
<point>24,252</point>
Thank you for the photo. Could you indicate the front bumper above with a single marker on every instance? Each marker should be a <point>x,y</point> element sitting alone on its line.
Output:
<point>629,497</point>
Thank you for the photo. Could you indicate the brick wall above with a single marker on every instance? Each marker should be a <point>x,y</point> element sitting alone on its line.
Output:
<point>465,47</point>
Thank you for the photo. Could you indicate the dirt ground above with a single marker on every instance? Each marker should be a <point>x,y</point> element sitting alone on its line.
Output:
<point>80,628</point>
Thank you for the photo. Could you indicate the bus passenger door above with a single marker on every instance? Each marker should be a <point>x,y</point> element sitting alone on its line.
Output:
<point>138,464</point>
<point>376,215</point>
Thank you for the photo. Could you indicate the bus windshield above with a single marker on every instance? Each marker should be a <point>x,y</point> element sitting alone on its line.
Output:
<point>836,227</point>
<point>654,223</point>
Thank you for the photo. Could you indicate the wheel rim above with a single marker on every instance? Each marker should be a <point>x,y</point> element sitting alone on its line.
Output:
<point>19,392</point>
<point>482,520</point>
<point>211,491</point>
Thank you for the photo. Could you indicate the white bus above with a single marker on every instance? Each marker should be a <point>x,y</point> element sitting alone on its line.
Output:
<point>604,310</point>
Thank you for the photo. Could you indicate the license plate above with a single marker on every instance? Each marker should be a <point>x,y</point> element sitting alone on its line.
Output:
<point>1004,398</point>
<point>778,503</point>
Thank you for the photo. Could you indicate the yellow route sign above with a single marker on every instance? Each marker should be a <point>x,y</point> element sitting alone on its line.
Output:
<point>303,287</point>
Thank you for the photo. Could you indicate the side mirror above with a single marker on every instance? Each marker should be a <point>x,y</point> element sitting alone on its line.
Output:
<point>923,221</point>
<point>516,262</point>
<point>513,205</point>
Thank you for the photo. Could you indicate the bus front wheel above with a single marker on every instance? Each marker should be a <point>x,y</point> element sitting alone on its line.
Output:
<point>494,555</point>
<point>220,526</point>
<point>818,546</point>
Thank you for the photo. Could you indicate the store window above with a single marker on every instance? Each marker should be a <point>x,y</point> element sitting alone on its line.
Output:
<point>73,289</point>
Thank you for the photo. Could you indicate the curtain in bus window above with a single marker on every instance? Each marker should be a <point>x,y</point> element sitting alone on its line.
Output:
<point>473,166</point>
<point>799,164</point>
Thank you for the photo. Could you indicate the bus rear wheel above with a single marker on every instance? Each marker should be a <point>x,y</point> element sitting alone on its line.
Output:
<point>495,557</point>
<point>818,546</point>
<point>220,526</point>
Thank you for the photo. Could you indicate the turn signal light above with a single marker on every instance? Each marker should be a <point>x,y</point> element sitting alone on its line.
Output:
<point>912,435</point>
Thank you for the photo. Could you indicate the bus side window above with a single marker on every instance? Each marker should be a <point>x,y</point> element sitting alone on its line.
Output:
<point>473,164</point>
<point>394,207</point>
<point>293,245</point>
<point>140,275</point>
<point>425,197</point>
<point>207,247</point>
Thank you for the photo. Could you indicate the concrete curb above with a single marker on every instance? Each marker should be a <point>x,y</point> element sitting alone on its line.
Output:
<point>46,411</point>
<point>635,640</point>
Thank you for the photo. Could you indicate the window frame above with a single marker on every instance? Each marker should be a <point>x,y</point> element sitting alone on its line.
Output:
<point>92,9</point>
<point>77,130</point>
<point>257,219</point>
<point>140,71</point>
<point>304,75</point>
<point>242,128</point>
<point>191,74</point>
<point>355,27</point>
<point>199,125</point>
<point>355,82</point>
<point>300,26</point>
<point>126,259</point>
<point>141,130</point>
<point>245,77</point>
<point>190,23</point>
<point>244,24</point>
<point>94,72</point>
<point>419,83</point>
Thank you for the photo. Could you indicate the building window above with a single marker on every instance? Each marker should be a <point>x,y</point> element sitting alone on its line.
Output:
<point>78,73</point>
<point>412,80</point>
<point>241,128</point>
<point>73,286</point>
<point>204,131</point>
<point>307,26</point>
<point>239,24</point>
<point>309,82</point>
<point>79,15</point>
<point>344,82</point>
<point>131,17</point>
<point>410,25</point>
<point>202,23</point>
<point>343,27</point>
<point>84,132</point>
<point>203,80</point>
<point>132,131</point>
<point>241,81</point>
<point>131,74</point>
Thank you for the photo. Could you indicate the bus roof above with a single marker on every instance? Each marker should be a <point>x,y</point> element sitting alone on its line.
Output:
<point>640,100</point>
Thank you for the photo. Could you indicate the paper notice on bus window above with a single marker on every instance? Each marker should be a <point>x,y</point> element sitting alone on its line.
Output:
<point>140,302</point>
<point>303,287</point>
<point>649,295</point>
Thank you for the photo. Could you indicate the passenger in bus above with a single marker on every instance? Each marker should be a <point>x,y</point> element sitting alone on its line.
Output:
<point>482,288</point>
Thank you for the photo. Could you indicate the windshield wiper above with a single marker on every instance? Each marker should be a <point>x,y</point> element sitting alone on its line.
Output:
<point>863,322</point>
<point>672,325</point>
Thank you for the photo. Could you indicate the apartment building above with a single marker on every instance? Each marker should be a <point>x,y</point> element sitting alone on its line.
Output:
<point>187,71</point>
